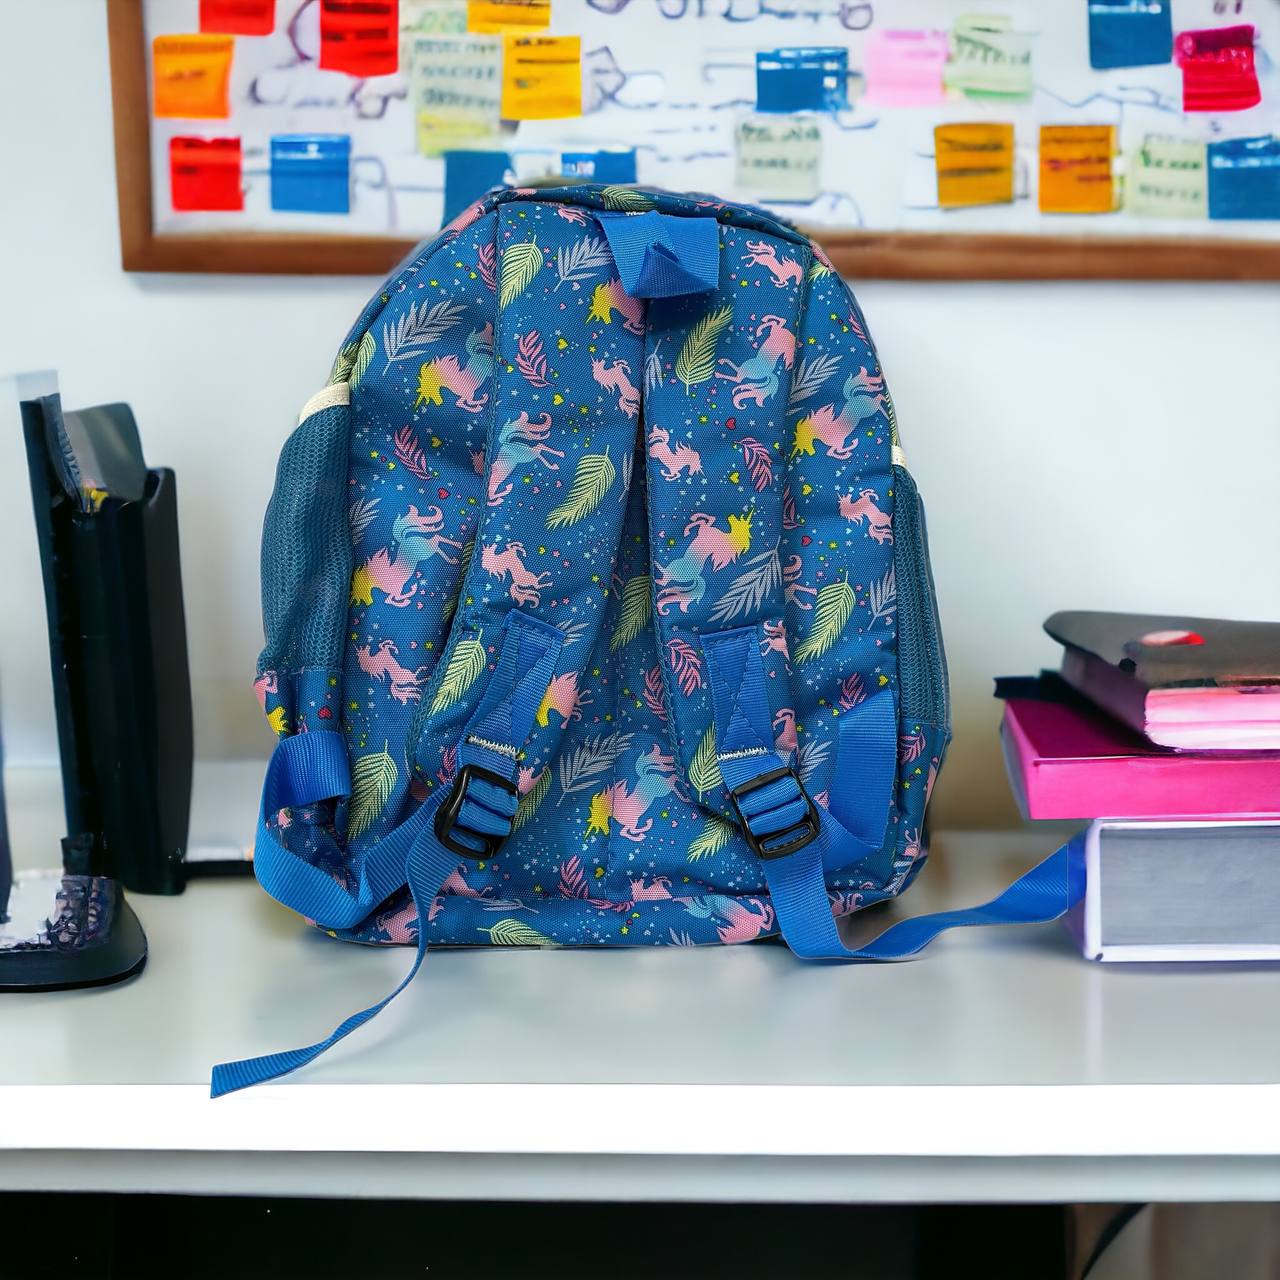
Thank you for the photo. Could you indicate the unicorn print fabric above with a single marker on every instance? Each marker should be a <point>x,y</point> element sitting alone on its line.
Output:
<point>602,607</point>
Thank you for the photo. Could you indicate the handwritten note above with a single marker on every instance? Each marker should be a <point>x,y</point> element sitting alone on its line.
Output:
<point>360,37</point>
<point>1168,179</point>
<point>988,58</point>
<point>780,159</point>
<point>1244,178</point>
<point>1218,72</point>
<point>541,77</point>
<point>1129,33</point>
<point>974,164</point>
<point>238,17</point>
<point>455,86</point>
<point>802,79</point>
<point>204,174</point>
<point>191,76</point>
<point>904,68</point>
<point>489,17</point>
<point>1077,168</point>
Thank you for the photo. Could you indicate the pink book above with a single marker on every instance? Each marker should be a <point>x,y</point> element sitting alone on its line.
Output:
<point>1066,760</point>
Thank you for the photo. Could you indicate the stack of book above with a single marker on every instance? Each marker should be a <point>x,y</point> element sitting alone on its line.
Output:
<point>1165,734</point>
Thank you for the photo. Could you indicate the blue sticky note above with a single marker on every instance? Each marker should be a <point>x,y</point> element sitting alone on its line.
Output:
<point>599,166</point>
<point>468,175</point>
<point>802,79</point>
<point>311,173</point>
<point>1130,33</point>
<point>1244,178</point>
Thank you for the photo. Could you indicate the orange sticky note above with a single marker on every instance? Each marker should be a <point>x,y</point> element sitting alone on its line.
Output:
<point>541,77</point>
<point>1075,168</point>
<point>191,76</point>
<point>975,164</point>
<point>490,17</point>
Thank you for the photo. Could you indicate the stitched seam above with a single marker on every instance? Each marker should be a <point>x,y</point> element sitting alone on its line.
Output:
<point>501,748</point>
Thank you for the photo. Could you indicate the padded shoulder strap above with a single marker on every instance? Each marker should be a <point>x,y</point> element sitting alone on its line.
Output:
<point>716,471</point>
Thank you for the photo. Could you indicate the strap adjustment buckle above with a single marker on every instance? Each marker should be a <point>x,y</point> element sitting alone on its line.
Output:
<point>489,842</point>
<point>790,838</point>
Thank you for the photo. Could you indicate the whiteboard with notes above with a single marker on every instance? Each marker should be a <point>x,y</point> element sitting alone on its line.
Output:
<point>1156,119</point>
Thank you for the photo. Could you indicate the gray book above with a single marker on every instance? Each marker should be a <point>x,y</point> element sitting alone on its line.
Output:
<point>1157,891</point>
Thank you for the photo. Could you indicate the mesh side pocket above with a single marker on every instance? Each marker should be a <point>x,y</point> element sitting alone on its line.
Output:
<point>922,664</point>
<point>306,544</point>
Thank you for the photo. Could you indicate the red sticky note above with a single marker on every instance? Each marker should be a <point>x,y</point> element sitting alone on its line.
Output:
<point>1217,69</point>
<point>360,37</point>
<point>238,17</point>
<point>204,174</point>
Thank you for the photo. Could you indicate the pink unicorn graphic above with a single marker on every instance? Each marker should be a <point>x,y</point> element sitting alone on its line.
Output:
<point>681,582</point>
<point>863,508</point>
<point>864,397</point>
<point>760,253</point>
<point>786,740</point>
<point>520,443</point>
<point>742,921</point>
<point>674,461</point>
<point>267,682</point>
<point>611,297</point>
<point>526,587</point>
<point>617,378</point>
<point>775,639</point>
<point>463,382</point>
<point>757,378</point>
<point>416,538</point>
<point>454,886</point>
<point>657,890</point>
<point>793,589</point>
<point>911,854</point>
<point>564,698</point>
<point>383,664</point>
<point>844,903</point>
<point>627,806</point>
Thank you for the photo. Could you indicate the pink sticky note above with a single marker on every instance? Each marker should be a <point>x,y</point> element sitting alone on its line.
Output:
<point>904,68</point>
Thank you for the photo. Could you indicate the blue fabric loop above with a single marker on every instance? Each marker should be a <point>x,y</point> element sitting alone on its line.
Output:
<point>305,769</point>
<point>662,256</point>
<point>867,767</point>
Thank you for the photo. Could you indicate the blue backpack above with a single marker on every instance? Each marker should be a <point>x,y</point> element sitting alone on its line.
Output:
<point>597,600</point>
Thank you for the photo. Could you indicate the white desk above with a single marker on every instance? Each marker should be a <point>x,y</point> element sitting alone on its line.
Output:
<point>999,1067</point>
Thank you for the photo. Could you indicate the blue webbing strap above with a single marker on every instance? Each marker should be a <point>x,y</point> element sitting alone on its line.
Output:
<point>491,741</point>
<point>659,255</point>
<point>776,810</point>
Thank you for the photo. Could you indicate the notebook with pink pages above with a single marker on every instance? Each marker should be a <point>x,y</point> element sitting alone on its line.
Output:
<point>1068,761</point>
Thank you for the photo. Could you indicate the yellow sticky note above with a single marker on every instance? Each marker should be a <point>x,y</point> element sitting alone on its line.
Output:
<point>490,17</point>
<point>1076,168</point>
<point>975,164</point>
<point>191,76</point>
<point>541,77</point>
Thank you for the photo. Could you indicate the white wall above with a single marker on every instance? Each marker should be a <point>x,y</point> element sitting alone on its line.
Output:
<point>1079,445</point>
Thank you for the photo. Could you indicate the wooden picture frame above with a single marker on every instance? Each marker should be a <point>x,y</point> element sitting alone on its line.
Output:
<point>888,255</point>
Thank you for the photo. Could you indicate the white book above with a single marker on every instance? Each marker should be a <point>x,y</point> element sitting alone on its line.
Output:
<point>1169,891</point>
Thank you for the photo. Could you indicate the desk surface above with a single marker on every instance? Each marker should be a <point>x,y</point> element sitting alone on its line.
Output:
<point>1001,1066</point>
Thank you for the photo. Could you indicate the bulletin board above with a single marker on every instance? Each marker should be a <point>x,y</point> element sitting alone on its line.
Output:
<point>913,138</point>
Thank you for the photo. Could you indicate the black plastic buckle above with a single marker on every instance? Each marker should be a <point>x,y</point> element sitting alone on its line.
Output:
<point>447,814</point>
<point>793,838</point>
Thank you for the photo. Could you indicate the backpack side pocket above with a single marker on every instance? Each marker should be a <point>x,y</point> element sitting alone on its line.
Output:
<point>306,566</point>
